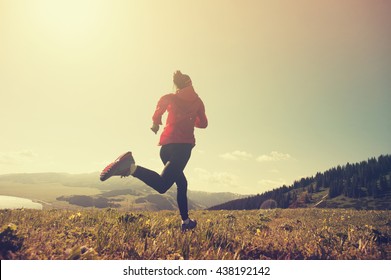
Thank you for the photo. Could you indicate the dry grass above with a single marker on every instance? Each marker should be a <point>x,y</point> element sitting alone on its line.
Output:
<point>258,234</point>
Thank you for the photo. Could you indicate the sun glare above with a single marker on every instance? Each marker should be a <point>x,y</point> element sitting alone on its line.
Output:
<point>69,19</point>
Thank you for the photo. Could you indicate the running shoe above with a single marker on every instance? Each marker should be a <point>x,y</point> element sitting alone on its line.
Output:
<point>190,225</point>
<point>119,167</point>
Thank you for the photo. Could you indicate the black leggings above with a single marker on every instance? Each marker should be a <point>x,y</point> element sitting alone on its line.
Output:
<point>175,157</point>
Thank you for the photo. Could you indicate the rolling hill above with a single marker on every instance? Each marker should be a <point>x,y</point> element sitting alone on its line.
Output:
<point>364,185</point>
<point>63,190</point>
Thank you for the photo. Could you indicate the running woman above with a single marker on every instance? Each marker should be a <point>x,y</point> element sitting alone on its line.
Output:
<point>185,112</point>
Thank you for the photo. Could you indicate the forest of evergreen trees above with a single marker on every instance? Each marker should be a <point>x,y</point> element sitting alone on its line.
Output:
<point>371,178</point>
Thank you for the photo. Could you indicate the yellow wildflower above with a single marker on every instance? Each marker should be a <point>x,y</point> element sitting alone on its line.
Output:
<point>12,226</point>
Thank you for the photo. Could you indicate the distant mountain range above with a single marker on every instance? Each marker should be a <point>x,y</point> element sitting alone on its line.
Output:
<point>63,190</point>
<point>364,185</point>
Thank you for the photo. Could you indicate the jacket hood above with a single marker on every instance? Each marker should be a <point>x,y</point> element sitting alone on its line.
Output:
<point>187,94</point>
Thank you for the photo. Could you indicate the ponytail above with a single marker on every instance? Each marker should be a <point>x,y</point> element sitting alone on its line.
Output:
<point>181,80</point>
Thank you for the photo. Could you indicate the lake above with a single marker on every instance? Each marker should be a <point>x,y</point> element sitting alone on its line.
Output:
<point>12,202</point>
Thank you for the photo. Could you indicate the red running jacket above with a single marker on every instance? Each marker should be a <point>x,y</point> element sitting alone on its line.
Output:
<point>185,111</point>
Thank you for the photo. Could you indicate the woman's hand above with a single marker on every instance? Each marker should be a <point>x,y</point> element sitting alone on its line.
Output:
<point>155,128</point>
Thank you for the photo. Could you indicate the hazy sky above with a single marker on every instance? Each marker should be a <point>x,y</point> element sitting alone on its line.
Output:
<point>290,87</point>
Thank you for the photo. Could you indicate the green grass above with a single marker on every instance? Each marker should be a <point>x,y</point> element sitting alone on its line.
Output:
<point>256,234</point>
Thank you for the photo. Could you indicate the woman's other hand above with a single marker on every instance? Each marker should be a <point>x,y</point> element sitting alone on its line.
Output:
<point>155,128</point>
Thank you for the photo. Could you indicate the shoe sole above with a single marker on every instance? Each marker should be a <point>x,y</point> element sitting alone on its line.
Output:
<point>111,169</point>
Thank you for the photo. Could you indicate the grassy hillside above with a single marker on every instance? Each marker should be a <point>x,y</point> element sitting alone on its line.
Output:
<point>255,234</point>
<point>363,185</point>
